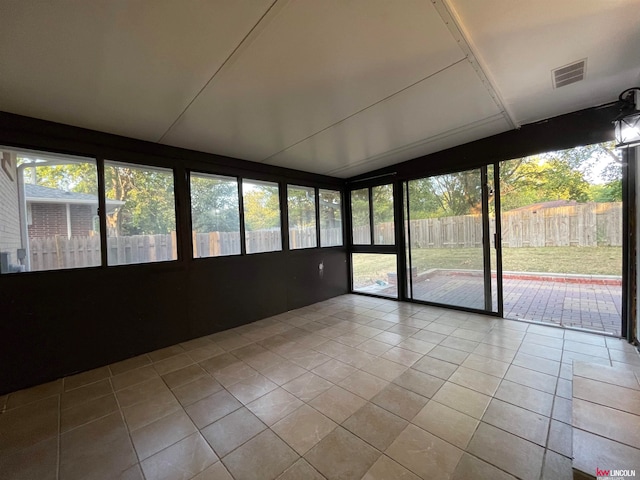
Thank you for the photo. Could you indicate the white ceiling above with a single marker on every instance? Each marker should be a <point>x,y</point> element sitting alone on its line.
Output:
<point>337,87</point>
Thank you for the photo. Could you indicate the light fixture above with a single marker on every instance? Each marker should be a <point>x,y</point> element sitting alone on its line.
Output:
<point>628,122</point>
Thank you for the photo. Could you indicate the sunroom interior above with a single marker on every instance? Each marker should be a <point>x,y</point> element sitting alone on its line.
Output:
<point>223,225</point>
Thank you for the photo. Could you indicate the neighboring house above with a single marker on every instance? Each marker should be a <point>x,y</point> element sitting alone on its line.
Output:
<point>52,212</point>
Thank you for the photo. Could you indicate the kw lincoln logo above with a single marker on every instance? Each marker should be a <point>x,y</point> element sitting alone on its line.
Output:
<point>614,474</point>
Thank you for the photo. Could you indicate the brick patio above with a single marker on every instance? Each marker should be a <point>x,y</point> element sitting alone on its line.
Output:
<point>589,305</point>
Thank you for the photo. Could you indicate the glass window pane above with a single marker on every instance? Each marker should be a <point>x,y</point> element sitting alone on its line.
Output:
<point>215,216</point>
<point>301,203</point>
<point>56,226</point>
<point>261,202</point>
<point>384,231</point>
<point>360,217</point>
<point>375,273</point>
<point>141,216</point>
<point>330,218</point>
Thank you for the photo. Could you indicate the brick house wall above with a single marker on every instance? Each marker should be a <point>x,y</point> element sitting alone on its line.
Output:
<point>50,219</point>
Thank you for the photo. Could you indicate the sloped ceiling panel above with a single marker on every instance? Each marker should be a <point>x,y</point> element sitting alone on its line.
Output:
<point>522,42</point>
<point>120,66</point>
<point>446,102</point>
<point>313,64</point>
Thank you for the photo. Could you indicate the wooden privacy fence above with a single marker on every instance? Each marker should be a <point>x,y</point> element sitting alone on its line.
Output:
<point>581,225</point>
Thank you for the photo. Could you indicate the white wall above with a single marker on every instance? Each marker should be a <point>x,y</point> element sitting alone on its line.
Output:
<point>9,212</point>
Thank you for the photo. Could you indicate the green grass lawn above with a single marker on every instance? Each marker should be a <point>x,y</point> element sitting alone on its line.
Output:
<point>578,260</point>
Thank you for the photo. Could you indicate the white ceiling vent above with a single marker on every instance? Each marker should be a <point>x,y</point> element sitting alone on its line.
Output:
<point>569,73</point>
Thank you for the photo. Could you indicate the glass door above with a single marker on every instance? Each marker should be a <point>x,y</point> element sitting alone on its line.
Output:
<point>448,240</point>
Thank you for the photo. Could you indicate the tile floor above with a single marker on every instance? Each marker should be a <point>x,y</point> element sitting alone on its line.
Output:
<point>350,388</point>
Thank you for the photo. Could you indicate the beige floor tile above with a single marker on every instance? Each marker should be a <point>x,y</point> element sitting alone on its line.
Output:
<point>196,390</point>
<point>601,373</point>
<point>541,351</point>
<point>164,353</point>
<point>129,364</point>
<point>385,369</point>
<point>85,393</point>
<point>390,338</point>
<point>342,456</point>
<point>173,363</point>
<point>417,346</point>
<point>144,413</point>
<point>356,358</point>
<point>368,331</point>
<point>376,426</point>
<point>204,353</point>
<point>363,384</point>
<point>424,454</point>
<point>304,428</point>
<point>621,398</point>
<point>252,388</point>
<point>525,397</point>
<point>607,422</point>
<point>274,406</point>
<point>86,378</point>
<point>28,425</point>
<point>523,423</point>
<point>217,363</point>
<point>463,399</point>
<point>402,356</point>
<point>264,457</point>
<point>183,375</point>
<point>562,410</point>
<point>421,383</point>
<point>497,353</point>
<point>560,438</point>
<point>217,471</point>
<point>235,373</point>
<point>141,392</point>
<point>181,461</point>
<point>387,469</point>
<point>309,360</point>
<point>545,340</point>
<point>435,367</point>
<point>196,343</point>
<point>99,450</point>
<point>162,433</point>
<point>375,347</point>
<point>478,381</point>
<point>334,370</point>
<point>307,386</point>
<point>461,344</point>
<point>564,388</point>
<point>231,431</point>
<point>530,378</point>
<point>628,357</point>
<point>33,394</point>
<point>212,408</point>
<point>556,467</point>
<point>486,365</point>
<point>87,412</point>
<point>448,354</point>
<point>337,403</point>
<point>400,401</point>
<point>38,462</point>
<point>508,452</point>
<point>351,339</point>
<point>134,376</point>
<point>283,372</point>
<point>441,328</point>
<point>301,470</point>
<point>448,424</point>
<point>593,451</point>
<point>550,367</point>
<point>472,468</point>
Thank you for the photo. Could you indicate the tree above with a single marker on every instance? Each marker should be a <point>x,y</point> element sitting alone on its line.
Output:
<point>261,207</point>
<point>214,205</point>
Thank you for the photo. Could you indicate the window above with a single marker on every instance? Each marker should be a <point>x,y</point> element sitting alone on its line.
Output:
<point>47,202</point>
<point>383,226</point>
<point>141,217</point>
<point>301,203</point>
<point>215,216</point>
<point>375,273</point>
<point>360,218</point>
<point>330,218</point>
<point>261,202</point>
